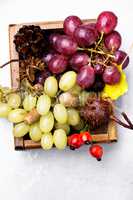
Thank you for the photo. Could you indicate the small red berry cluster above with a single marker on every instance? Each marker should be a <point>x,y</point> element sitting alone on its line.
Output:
<point>76,140</point>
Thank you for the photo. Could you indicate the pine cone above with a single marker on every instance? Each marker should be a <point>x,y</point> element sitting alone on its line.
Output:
<point>30,41</point>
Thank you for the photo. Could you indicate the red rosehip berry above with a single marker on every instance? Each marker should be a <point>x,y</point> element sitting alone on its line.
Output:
<point>96,151</point>
<point>86,137</point>
<point>74,141</point>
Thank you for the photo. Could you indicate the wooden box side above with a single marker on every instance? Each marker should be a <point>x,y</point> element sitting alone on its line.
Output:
<point>21,143</point>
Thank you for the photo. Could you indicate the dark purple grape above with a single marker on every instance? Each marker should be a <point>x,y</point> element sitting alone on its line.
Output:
<point>119,58</point>
<point>78,60</point>
<point>84,36</point>
<point>111,75</point>
<point>41,76</point>
<point>70,24</point>
<point>86,77</point>
<point>47,57</point>
<point>57,64</point>
<point>52,39</point>
<point>91,26</point>
<point>106,22</point>
<point>113,41</point>
<point>98,85</point>
<point>98,67</point>
<point>65,45</point>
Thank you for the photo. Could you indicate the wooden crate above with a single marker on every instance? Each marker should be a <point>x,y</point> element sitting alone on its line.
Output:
<point>105,134</point>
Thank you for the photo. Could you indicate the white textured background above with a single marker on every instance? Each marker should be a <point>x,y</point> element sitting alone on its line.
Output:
<point>66,175</point>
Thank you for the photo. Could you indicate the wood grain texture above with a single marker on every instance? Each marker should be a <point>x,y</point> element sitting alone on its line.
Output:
<point>20,143</point>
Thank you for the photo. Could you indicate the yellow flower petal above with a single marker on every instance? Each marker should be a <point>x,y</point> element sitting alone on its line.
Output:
<point>117,90</point>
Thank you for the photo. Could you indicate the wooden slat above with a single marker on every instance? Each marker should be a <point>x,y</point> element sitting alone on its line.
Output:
<point>20,143</point>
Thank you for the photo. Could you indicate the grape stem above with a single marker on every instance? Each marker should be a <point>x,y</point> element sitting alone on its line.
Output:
<point>100,40</point>
<point>95,51</point>
<point>7,63</point>
<point>124,60</point>
<point>97,62</point>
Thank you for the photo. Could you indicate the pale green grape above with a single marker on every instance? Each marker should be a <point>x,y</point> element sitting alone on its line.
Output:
<point>73,116</point>
<point>0,95</point>
<point>60,113</point>
<point>4,109</point>
<point>80,125</point>
<point>35,132</point>
<point>43,104</point>
<point>14,100</point>
<point>68,99</point>
<point>84,95</point>
<point>29,102</point>
<point>17,115</point>
<point>47,141</point>
<point>21,129</point>
<point>51,86</point>
<point>60,139</point>
<point>47,122</point>
<point>67,80</point>
<point>75,90</point>
<point>65,127</point>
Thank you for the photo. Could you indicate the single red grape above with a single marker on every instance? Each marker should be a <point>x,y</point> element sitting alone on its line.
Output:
<point>78,60</point>
<point>47,57</point>
<point>113,41</point>
<point>57,64</point>
<point>70,24</point>
<point>91,26</point>
<point>65,45</point>
<point>111,75</point>
<point>52,39</point>
<point>86,77</point>
<point>98,85</point>
<point>119,58</point>
<point>41,76</point>
<point>85,36</point>
<point>98,67</point>
<point>106,22</point>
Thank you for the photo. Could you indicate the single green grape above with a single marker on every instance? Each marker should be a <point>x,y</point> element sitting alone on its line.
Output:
<point>67,80</point>
<point>21,129</point>
<point>60,113</point>
<point>65,127</point>
<point>35,132</point>
<point>29,102</point>
<point>14,100</point>
<point>47,122</point>
<point>4,109</point>
<point>17,115</point>
<point>51,86</point>
<point>75,90</point>
<point>43,104</point>
<point>84,95</point>
<point>0,96</point>
<point>73,116</point>
<point>80,125</point>
<point>47,141</point>
<point>60,139</point>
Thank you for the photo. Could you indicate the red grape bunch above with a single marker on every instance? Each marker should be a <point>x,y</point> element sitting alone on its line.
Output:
<point>89,49</point>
